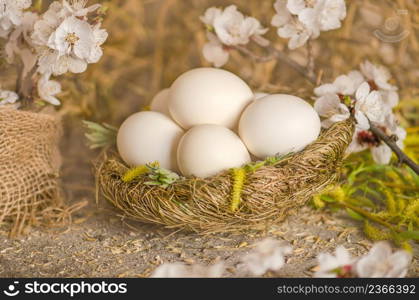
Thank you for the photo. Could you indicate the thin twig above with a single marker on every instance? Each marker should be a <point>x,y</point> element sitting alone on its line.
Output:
<point>403,158</point>
<point>277,54</point>
<point>310,59</point>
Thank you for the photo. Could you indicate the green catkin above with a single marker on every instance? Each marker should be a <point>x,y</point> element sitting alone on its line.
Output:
<point>391,203</point>
<point>374,233</point>
<point>338,193</point>
<point>133,173</point>
<point>412,211</point>
<point>406,246</point>
<point>238,176</point>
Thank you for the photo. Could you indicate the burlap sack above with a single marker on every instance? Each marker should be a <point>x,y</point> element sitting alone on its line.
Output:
<point>29,169</point>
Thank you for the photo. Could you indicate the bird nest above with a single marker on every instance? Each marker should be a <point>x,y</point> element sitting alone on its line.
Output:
<point>251,197</point>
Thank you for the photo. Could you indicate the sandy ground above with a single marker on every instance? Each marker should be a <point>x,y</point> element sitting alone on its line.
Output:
<point>100,243</point>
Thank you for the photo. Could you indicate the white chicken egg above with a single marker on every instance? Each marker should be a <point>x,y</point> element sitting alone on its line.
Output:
<point>207,149</point>
<point>149,136</point>
<point>208,96</point>
<point>160,102</point>
<point>278,124</point>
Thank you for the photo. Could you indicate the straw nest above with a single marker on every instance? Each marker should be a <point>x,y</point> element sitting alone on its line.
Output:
<point>264,196</point>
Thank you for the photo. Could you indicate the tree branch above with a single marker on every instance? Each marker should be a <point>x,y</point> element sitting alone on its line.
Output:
<point>308,73</point>
<point>277,54</point>
<point>403,158</point>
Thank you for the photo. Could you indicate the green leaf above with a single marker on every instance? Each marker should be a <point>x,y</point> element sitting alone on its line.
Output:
<point>354,215</point>
<point>99,135</point>
<point>328,199</point>
<point>409,235</point>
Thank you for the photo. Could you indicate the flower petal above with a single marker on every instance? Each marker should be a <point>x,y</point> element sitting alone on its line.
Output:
<point>381,154</point>
<point>362,120</point>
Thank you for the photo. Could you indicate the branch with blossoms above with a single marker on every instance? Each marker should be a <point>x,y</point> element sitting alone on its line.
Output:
<point>66,38</point>
<point>365,94</point>
<point>269,255</point>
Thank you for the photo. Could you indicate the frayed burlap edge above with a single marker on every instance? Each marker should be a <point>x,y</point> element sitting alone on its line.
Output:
<point>203,205</point>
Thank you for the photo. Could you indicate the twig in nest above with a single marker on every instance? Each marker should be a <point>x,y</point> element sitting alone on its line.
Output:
<point>403,158</point>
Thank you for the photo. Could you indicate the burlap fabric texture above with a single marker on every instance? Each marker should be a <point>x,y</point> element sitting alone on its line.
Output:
<point>29,170</point>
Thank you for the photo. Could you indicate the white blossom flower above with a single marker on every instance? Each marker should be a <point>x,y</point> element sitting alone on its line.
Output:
<point>233,28</point>
<point>8,98</point>
<point>66,40</point>
<point>378,77</point>
<point>48,89</point>
<point>301,20</point>
<point>210,15</point>
<point>365,139</point>
<point>180,270</point>
<point>345,85</point>
<point>368,106</point>
<point>228,28</point>
<point>319,15</point>
<point>78,8</point>
<point>289,26</point>
<point>19,43</point>
<point>378,74</point>
<point>382,153</point>
<point>296,32</point>
<point>330,107</point>
<point>382,262</point>
<point>338,265</point>
<point>267,255</point>
<point>11,12</point>
<point>215,52</point>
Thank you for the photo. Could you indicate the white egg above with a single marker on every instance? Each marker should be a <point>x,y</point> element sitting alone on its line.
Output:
<point>207,149</point>
<point>208,96</point>
<point>278,124</point>
<point>149,136</point>
<point>160,102</point>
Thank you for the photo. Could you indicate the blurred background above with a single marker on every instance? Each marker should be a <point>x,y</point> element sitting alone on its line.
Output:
<point>150,43</point>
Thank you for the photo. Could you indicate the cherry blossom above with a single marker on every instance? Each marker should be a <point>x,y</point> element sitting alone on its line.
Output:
<point>180,270</point>
<point>319,15</point>
<point>20,44</point>
<point>11,12</point>
<point>301,20</point>
<point>345,85</point>
<point>340,264</point>
<point>368,106</point>
<point>365,139</point>
<point>8,98</point>
<point>233,28</point>
<point>378,77</point>
<point>267,255</point>
<point>209,16</point>
<point>228,28</point>
<point>65,39</point>
<point>48,89</point>
<point>381,261</point>
<point>330,107</point>
<point>215,52</point>
<point>289,26</point>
